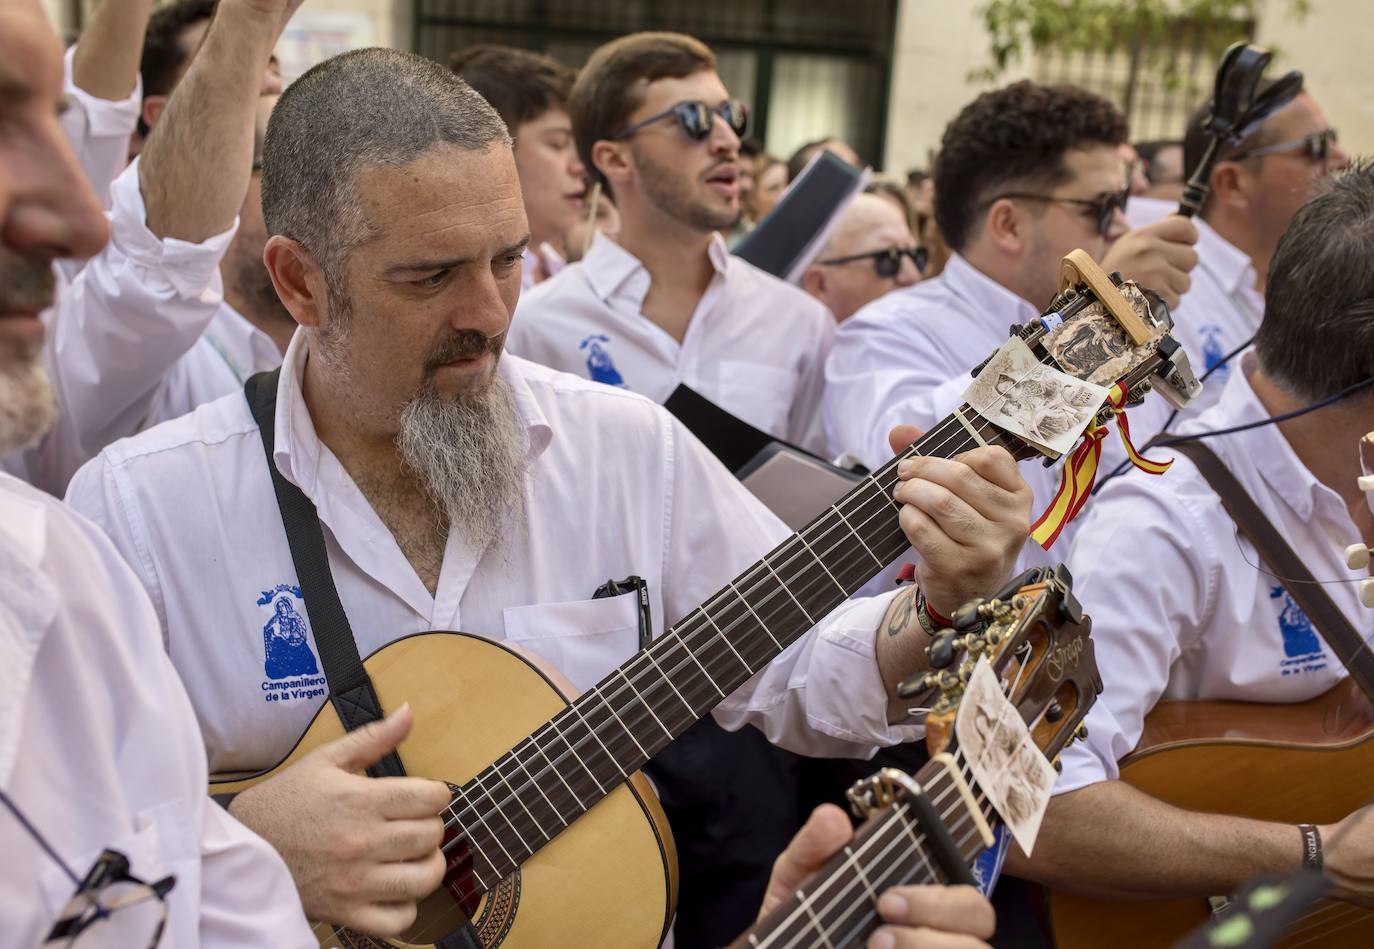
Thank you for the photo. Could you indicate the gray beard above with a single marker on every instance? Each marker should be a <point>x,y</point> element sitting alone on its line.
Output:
<point>469,454</point>
<point>27,408</point>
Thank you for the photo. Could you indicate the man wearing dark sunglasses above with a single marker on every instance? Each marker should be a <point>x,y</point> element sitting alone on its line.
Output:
<point>1256,189</point>
<point>870,252</point>
<point>666,303</point>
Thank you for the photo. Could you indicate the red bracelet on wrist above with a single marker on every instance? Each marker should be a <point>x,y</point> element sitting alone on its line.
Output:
<point>935,618</point>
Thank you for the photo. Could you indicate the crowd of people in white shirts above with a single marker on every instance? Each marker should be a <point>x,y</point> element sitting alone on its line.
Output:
<point>476,283</point>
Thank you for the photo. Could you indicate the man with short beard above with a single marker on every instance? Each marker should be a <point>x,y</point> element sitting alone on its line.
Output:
<point>391,194</point>
<point>665,303</point>
<point>149,331</point>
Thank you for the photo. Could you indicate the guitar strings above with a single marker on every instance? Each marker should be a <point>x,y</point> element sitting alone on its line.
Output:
<point>953,430</point>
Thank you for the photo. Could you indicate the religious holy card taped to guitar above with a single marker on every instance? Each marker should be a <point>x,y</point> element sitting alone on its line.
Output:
<point>1018,393</point>
<point>1005,762</point>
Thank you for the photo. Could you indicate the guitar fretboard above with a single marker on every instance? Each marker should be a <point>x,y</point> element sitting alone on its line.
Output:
<point>525,798</point>
<point>837,906</point>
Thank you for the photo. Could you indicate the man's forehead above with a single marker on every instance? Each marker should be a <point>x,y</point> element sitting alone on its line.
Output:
<point>1095,167</point>
<point>448,194</point>
<point>704,85</point>
<point>1299,117</point>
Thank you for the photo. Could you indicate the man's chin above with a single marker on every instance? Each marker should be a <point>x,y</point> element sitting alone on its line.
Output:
<point>27,407</point>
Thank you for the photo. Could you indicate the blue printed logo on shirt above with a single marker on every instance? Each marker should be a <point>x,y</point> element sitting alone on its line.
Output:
<point>292,671</point>
<point>600,368</point>
<point>1302,647</point>
<point>1213,352</point>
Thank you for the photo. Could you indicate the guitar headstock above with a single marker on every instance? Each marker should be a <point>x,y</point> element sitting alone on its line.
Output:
<point>1036,638</point>
<point>1104,331</point>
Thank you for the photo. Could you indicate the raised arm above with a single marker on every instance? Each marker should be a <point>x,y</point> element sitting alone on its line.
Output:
<point>195,167</point>
<point>105,64</point>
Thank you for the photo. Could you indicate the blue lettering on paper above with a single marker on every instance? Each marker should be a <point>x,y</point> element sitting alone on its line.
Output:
<point>600,368</point>
<point>1212,350</point>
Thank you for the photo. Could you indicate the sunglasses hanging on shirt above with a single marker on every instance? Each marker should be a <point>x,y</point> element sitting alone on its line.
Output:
<point>696,119</point>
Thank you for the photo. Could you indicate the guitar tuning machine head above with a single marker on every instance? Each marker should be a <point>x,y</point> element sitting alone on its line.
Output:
<point>1367,593</point>
<point>1357,556</point>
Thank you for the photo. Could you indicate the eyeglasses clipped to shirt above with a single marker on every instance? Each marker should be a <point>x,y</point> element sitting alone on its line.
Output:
<point>696,119</point>
<point>107,888</point>
<point>886,262</point>
<point>1316,147</point>
<point>1102,208</point>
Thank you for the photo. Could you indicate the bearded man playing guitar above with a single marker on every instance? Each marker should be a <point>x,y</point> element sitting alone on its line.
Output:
<point>1185,608</point>
<point>460,489</point>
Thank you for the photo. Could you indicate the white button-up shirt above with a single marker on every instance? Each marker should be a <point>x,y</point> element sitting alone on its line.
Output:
<point>1221,310</point>
<point>98,129</point>
<point>99,748</point>
<point>755,346</point>
<point>615,487</point>
<point>1182,606</point>
<point>128,345</point>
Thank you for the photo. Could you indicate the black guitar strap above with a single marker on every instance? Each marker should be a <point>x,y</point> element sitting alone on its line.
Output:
<point>350,689</point>
<point>1344,640</point>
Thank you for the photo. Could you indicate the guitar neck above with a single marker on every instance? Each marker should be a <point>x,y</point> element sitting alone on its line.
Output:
<point>837,906</point>
<point>526,797</point>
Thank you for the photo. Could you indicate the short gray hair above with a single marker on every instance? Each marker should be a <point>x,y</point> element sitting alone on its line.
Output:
<point>1317,335</point>
<point>361,109</point>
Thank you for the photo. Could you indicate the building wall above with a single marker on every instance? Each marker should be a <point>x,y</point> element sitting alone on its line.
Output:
<point>1331,47</point>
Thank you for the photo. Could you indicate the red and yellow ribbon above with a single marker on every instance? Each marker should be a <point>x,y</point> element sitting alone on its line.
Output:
<point>1080,471</point>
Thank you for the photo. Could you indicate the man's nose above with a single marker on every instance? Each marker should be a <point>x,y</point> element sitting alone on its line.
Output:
<point>53,211</point>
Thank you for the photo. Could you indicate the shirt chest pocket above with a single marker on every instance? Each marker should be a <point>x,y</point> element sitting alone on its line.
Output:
<point>760,395</point>
<point>161,845</point>
<point>583,639</point>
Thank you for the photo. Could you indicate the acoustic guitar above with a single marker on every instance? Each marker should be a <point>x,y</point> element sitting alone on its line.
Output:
<point>929,828</point>
<point>553,837</point>
<point>1304,763</point>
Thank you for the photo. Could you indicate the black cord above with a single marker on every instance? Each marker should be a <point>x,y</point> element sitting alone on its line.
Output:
<point>1329,400</point>
<point>1125,465</point>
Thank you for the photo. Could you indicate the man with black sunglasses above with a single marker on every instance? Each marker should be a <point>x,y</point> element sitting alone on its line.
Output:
<point>1025,174</point>
<point>1256,189</point>
<point>666,303</point>
<point>870,252</point>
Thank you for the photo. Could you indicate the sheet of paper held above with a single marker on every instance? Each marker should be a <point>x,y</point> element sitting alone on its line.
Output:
<point>1017,392</point>
<point>997,746</point>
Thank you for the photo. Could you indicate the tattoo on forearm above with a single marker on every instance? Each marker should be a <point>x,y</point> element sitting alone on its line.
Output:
<point>899,614</point>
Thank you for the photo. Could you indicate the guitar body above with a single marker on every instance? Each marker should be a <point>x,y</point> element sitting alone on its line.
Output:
<point>1307,763</point>
<point>609,879</point>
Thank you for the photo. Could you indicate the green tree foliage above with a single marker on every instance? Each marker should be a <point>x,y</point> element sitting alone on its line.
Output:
<point>1016,27</point>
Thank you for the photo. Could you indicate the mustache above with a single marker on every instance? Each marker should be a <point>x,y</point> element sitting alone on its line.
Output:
<point>25,283</point>
<point>465,344</point>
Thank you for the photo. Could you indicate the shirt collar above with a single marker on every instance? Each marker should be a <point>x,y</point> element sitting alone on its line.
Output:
<point>986,295</point>
<point>1263,449</point>
<point>609,267</point>
<point>297,447</point>
<point>1228,263</point>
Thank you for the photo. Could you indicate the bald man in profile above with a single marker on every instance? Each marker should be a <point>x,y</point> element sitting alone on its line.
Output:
<point>870,253</point>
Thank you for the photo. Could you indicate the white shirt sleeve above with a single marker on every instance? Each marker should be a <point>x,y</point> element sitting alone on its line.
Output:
<point>137,307</point>
<point>1146,570</point>
<point>821,696</point>
<point>880,374</point>
<point>99,129</point>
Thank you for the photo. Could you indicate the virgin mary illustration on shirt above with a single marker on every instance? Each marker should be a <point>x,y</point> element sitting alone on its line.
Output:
<point>285,644</point>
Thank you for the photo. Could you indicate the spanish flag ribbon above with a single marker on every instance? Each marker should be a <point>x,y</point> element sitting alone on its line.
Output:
<point>1080,471</point>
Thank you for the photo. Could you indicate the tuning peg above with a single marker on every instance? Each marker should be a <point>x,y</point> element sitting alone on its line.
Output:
<point>918,684</point>
<point>1366,482</point>
<point>966,616</point>
<point>1357,557</point>
<point>1081,732</point>
<point>941,651</point>
<point>1054,712</point>
<point>1367,592</point>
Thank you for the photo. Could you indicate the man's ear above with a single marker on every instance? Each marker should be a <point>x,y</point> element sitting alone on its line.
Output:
<point>612,159</point>
<point>813,282</point>
<point>1229,180</point>
<point>152,108</point>
<point>1004,225</point>
<point>298,279</point>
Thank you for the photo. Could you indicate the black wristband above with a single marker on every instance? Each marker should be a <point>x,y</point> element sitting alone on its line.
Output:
<point>1311,846</point>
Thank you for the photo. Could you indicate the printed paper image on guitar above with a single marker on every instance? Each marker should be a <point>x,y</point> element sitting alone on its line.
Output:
<point>553,835</point>
<point>1032,647</point>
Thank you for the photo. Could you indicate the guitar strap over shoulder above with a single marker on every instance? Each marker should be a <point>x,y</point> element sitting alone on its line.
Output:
<point>350,688</point>
<point>1344,640</point>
